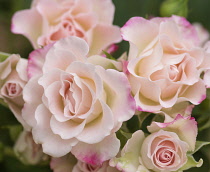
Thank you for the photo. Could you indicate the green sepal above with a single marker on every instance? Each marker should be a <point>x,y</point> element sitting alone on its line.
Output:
<point>109,56</point>
<point>198,145</point>
<point>3,56</point>
<point>191,162</point>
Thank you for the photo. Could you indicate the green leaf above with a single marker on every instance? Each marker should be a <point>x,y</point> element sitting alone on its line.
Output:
<point>7,117</point>
<point>109,56</point>
<point>126,135</point>
<point>199,145</point>
<point>3,56</point>
<point>1,151</point>
<point>14,131</point>
<point>177,7</point>
<point>191,162</point>
<point>122,138</point>
<point>3,103</point>
<point>133,124</point>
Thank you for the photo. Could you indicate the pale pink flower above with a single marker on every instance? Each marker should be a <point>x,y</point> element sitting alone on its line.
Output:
<point>50,20</point>
<point>13,77</point>
<point>164,150</point>
<point>72,101</point>
<point>165,62</point>
<point>69,163</point>
<point>27,150</point>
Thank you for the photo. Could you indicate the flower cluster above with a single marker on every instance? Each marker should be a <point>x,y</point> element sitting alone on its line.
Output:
<point>75,104</point>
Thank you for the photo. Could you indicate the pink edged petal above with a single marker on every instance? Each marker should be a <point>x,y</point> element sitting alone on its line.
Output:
<point>32,94</point>
<point>36,61</point>
<point>103,36</point>
<point>68,129</point>
<point>28,23</point>
<point>105,10</point>
<point>96,154</point>
<point>118,94</point>
<point>96,130</point>
<point>179,125</point>
<point>206,78</point>
<point>195,93</point>
<point>43,134</point>
<point>134,31</point>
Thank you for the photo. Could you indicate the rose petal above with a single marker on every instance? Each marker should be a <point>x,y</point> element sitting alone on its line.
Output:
<point>96,154</point>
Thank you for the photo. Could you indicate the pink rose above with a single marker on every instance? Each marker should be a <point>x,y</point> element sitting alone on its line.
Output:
<point>13,77</point>
<point>69,163</point>
<point>27,150</point>
<point>164,150</point>
<point>165,62</point>
<point>71,100</point>
<point>50,20</point>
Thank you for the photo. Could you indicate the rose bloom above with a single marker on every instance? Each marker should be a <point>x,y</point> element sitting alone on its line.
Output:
<point>50,20</point>
<point>13,77</point>
<point>69,163</point>
<point>165,62</point>
<point>164,150</point>
<point>27,150</point>
<point>71,101</point>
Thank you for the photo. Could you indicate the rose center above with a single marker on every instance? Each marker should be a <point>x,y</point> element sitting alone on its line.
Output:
<point>173,72</point>
<point>11,90</point>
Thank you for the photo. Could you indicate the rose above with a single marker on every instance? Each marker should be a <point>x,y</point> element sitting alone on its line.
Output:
<point>13,77</point>
<point>27,150</point>
<point>48,21</point>
<point>69,163</point>
<point>73,100</point>
<point>165,149</point>
<point>165,62</point>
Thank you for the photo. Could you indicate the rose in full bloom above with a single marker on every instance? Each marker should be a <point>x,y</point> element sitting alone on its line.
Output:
<point>165,149</point>
<point>13,77</point>
<point>165,62</point>
<point>69,163</point>
<point>27,150</point>
<point>72,101</point>
<point>50,20</point>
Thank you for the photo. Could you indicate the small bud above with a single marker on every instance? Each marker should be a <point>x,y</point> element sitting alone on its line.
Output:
<point>27,150</point>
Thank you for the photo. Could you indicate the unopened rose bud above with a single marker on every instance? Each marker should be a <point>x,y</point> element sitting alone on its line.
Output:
<point>27,150</point>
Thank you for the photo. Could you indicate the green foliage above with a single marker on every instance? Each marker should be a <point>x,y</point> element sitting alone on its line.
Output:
<point>191,162</point>
<point>3,56</point>
<point>176,7</point>
<point>199,145</point>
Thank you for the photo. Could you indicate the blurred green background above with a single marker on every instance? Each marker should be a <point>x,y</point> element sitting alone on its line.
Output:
<point>195,10</point>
